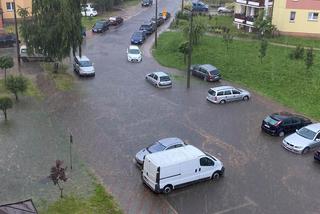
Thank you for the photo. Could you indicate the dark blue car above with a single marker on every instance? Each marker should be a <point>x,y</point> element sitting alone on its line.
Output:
<point>138,37</point>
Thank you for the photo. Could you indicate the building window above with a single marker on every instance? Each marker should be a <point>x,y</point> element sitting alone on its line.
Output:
<point>292,16</point>
<point>313,16</point>
<point>9,6</point>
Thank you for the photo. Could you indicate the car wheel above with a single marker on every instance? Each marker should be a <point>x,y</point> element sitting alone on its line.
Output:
<point>306,150</point>
<point>281,134</point>
<point>245,98</point>
<point>91,15</point>
<point>215,175</point>
<point>205,78</point>
<point>222,102</point>
<point>167,189</point>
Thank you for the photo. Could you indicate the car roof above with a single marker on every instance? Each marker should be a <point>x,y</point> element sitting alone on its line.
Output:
<point>282,115</point>
<point>160,74</point>
<point>208,67</point>
<point>175,156</point>
<point>220,88</point>
<point>83,58</point>
<point>170,141</point>
<point>313,127</point>
<point>134,47</point>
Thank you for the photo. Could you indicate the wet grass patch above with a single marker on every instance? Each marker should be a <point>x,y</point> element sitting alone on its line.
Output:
<point>279,77</point>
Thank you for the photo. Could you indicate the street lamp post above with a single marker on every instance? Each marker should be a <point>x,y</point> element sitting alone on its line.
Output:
<point>17,33</point>
<point>189,49</point>
<point>156,31</point>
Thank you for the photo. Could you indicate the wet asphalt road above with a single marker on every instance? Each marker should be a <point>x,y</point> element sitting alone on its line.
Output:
<point>117,113</point>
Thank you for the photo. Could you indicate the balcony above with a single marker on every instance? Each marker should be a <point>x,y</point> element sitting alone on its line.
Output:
<point>255,3</point>
<point>243,19</point>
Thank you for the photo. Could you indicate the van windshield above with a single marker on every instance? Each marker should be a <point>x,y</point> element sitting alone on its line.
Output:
<point>157,147</point>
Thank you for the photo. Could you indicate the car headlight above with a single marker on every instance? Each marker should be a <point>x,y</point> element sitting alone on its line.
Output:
<point>298,147</point>
<point>140,40</point>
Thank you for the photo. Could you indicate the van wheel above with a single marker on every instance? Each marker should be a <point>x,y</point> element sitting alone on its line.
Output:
<point>245,98</point>
<point>167,189</point>
<point>222,102</point>
<point>216,175</point>
<point>281,134</point>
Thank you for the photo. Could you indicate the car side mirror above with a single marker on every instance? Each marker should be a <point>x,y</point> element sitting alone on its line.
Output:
<point>318,140</point>
<point>297,130</point>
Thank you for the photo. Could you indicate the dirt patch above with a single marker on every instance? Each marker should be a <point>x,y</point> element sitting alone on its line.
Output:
<point>45,84</point>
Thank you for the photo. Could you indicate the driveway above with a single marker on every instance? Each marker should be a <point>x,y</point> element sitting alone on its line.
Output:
<point>117,113</point>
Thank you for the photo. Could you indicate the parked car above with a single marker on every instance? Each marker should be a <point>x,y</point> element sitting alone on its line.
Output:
<point>279,124</point>
<point>88,10</point>
<point>304,139</point>
<point>149,28</point>
<point>224,10</point>
<point>160,20</point>
<point>317,155</point>
<point>138,37</point>
<point>134,54</point>
<point>35,56</point>
<point>165,16</point>
<point>159,79</point>
<point>100,26</point>
<point>171,169</point>
<point>146,3</point>
<point>200,7</point>
<point>161,145</point>
<point>206,72</point>
<point>115,20</point>
<point>83,66</point>
<point>7,40</point>
<point>223,94</point>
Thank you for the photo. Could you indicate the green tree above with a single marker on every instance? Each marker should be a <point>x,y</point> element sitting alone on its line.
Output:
<point>58,174</point>
<point>263,49</point>
<point>6,62</point>
<point>309,58</point>
<point>264,25</point>
<point>17,84</point>
<point>227,38</point>
<point>198,30</point>
<point>54,29</point>
<point>183,48</point>
<point>5,104</point>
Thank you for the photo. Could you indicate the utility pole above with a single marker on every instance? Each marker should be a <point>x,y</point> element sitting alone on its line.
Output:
<point>189,49</point>
<point>70,149</point>
<point>156,31</point>
<point>17,33</point>
<point>182,6</point>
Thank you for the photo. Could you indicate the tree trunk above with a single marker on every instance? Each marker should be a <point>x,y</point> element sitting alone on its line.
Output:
<point>5,114</point>
<point>55,67</point>
<point>5,76</point>
<point>80,51</point>
<point>16,95</point>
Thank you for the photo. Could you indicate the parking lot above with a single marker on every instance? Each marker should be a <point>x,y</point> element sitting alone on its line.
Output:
<point>116,113</point>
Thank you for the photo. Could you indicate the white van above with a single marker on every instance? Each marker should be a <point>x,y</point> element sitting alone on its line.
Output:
<point>171,169</point>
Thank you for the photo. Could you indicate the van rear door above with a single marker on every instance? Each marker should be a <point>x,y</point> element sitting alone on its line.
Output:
<point>150,173</point>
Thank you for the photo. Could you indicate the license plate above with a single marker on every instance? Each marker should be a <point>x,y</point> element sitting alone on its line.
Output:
<point>266,125</point>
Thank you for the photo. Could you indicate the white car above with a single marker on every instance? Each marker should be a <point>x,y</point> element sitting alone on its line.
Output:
<point>83,66</point>
<point>159,79</point>
<point>134,54</point>
<point>223,94</point>
<point>88,10</point>
<point>304,139</point>
<point>224,10</point>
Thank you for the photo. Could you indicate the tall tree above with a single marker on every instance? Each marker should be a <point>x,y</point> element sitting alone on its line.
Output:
<point>5,104</point>
<point>264,25</point>
<point>54,29</point>
<point>263,49</point>
<point>198,30</point>
<point>6,62</point>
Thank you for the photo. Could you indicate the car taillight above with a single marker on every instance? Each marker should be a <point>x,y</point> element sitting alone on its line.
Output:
<point>278,123</point>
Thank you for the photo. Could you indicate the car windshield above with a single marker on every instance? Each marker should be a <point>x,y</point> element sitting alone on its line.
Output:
<point>212,92</point>
<point>134,51</point>
<point>85,63</point>
<point>271,120</point>
<point>137,35</point>
<point>99,25</point>
<point>306,133</point>
<point>144,26</point>
<point>164,78</point>
<point>214,72</point>
<point>157,147</point>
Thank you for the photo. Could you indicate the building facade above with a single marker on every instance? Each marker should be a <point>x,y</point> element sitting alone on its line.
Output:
<point>297,17</point>
<point>7,7</point>
<point>246,11</point>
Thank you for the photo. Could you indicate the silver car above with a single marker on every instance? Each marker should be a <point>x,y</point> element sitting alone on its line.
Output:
<point>303,140</point>
<point>225,94</point>
<point>161,145</point>
<point>159,79</point>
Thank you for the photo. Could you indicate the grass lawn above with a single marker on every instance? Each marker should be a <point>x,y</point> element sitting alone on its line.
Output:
<point>62,79</point>
<point>32,90</point>
<point>278,77</point>
<point>99,202</point>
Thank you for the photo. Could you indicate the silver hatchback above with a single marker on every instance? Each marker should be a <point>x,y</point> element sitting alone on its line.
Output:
<point>225,94</point>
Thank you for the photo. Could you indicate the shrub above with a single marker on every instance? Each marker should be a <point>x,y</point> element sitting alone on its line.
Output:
<point>297,53</point>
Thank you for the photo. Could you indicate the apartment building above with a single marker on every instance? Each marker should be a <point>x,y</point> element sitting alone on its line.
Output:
<point>7,7</point>
<point>246,11</point>
<point>297,17</point>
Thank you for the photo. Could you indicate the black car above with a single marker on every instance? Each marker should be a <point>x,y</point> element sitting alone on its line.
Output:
<point>160,20</point>
<point>117,20</point>
<point>146,3</point>
<point>317,155</point>
<point>7,40</point>
<point>149,28</point>
<point>279,124</point>
<point>206,71</point>
<point>100,26</point>
<point>138,37</point>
